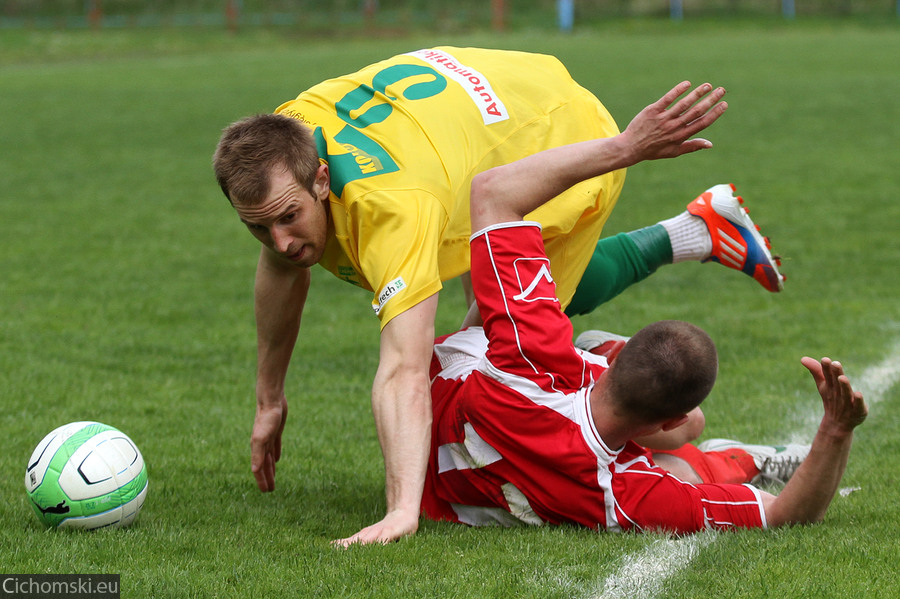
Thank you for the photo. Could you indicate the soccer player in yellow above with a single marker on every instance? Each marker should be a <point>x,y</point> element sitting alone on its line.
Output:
<point>405,137</point>
<point>369,176</point>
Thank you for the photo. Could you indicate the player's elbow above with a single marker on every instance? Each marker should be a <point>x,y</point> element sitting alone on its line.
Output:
<point>778,514</point>
<point>797,521</point>
<point>488,203</point>
<point>479,200</point>
<point>401,376</point>
<point>483,186</point>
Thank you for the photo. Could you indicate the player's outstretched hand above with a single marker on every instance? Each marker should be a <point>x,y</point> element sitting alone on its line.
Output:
<point>265,443</point>
<point>394,526</point>
<point>845,408</point>
<point>666,128</point>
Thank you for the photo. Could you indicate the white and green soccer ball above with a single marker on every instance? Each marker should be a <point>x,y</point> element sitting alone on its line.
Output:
<point>86,475</point>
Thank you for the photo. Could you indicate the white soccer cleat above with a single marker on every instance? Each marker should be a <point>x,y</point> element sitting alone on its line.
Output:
<point>594,341</point>
<point>776,463</point>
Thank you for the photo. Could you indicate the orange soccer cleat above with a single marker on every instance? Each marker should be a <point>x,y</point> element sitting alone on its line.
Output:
<point>736,241</point>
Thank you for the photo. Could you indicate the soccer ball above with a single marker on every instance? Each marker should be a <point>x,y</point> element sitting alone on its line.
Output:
<point>86,475</point>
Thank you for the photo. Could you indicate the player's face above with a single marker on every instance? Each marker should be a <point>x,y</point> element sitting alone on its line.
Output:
<point>291,221</point>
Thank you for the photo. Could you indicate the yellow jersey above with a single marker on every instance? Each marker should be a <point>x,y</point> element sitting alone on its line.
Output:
<point>403,139</point>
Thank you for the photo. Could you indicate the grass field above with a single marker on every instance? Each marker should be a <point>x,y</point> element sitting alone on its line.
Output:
<point>126,297</point>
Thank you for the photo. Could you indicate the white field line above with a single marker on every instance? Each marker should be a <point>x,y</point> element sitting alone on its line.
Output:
<point>876,381</point>
<point>641,576</point>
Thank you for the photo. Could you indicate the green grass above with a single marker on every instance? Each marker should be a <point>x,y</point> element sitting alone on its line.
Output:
<point>126,295</point>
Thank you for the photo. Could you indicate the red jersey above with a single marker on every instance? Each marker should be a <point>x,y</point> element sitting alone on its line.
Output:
<point>513,436</point>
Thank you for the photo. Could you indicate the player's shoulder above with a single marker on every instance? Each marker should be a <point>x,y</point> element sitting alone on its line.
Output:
<point>637,459</point>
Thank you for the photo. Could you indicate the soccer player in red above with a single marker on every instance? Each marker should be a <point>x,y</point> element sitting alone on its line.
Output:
<point>714,460</point>
<point>530,429</point>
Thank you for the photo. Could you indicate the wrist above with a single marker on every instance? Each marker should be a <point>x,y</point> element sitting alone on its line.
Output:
<point>624,151</point>
<point>269,396</point>
<point>409,512</point>
<point>835,432</point>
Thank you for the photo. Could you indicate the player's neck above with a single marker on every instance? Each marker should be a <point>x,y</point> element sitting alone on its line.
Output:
<point>612,428</point>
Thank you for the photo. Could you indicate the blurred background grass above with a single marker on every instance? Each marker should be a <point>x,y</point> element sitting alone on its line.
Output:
<point>404,15</point>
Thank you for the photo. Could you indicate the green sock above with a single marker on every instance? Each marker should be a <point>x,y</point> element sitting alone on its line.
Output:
<point>619,262</point>
<point>654,244</point>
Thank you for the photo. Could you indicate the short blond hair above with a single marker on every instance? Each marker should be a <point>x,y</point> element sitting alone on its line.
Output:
<point>251,148</point>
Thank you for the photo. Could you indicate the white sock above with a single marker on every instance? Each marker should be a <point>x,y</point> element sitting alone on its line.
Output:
<point>689,237</point>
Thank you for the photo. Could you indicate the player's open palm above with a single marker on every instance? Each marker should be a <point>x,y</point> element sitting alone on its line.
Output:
<point>665,128</point>
<point>845,408</point>
<point>265,443</point>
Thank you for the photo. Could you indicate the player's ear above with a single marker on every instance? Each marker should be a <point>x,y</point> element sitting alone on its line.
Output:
<point>673,423</point>
<point>322,184</point>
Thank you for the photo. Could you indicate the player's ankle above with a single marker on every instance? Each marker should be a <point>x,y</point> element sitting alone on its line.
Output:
<point>689,237</point>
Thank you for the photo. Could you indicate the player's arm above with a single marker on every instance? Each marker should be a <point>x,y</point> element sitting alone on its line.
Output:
<point>664,129</point>
<point>673,438</point>
<point>810,490</point>
<point>401,403</point>
<point>280,294</point>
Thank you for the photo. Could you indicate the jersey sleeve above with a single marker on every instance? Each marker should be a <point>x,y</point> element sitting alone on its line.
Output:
<point>397,237</point>
<point>649,498</point>
<point>528,334</point>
